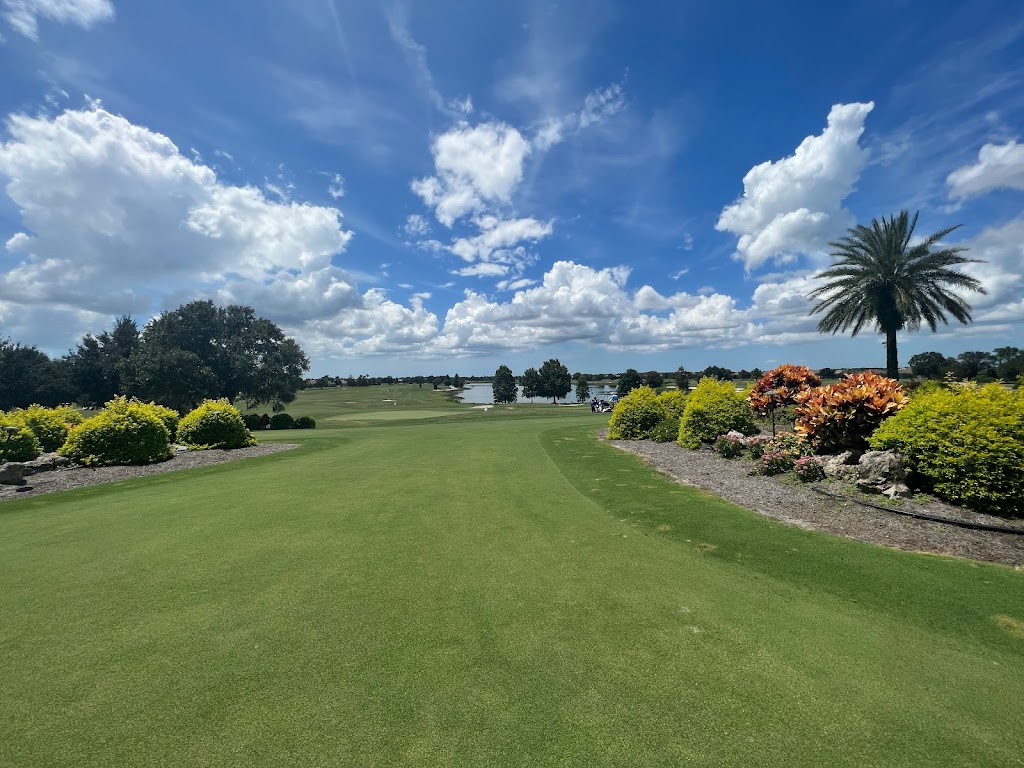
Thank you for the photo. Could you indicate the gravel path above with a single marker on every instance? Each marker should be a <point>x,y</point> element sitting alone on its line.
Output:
<point>786,499</point>
<point>78,477</point>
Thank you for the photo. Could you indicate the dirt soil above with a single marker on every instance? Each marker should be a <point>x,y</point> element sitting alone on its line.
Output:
<point>79,477</point>
<point>786,499</point>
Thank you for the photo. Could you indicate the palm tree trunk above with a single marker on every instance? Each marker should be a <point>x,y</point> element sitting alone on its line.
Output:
<point>892,366</point>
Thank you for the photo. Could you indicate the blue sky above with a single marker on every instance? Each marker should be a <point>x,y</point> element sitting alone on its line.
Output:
<point>449,186</point>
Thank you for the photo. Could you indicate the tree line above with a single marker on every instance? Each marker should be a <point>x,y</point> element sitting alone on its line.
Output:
<point>1005,363</point>
<point>180,358</point>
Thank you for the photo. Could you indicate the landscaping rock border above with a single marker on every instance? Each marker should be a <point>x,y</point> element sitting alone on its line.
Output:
<point>787,500</point>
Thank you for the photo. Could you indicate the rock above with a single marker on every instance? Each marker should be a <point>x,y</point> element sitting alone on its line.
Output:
<point>841,466</point>
<point>12,473</point>
<point>898,491</point>
<point>883,472</point>
<point>45,463</point>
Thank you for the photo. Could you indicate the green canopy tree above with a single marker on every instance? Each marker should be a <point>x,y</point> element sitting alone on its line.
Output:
<point>629,381</point>
<point>582,390</point>
<point>531,383</point>
<point>231,352</point>
<point>879,278</point>
<point>504,385</point>
<point>28,375</point>
<point>555,381</point>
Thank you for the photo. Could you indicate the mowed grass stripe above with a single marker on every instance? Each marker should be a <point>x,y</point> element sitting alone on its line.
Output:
<point>447,594</point>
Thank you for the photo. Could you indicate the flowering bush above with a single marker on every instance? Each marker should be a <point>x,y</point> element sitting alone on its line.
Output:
<point>729,446</point>
<point>780,386</point>
<point>809,469</point>
<point>756,445</point>
<point>781,453</point>
<point>844,415</point>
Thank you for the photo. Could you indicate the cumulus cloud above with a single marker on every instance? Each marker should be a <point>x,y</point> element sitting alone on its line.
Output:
<point>416,226</point>
<point>24,15</point>
<point>999,166</point>
<point>475,167</point>
<point>1000,271</point>
<point>794,205</point>
<point>116,219</point>
<point>498,236</point>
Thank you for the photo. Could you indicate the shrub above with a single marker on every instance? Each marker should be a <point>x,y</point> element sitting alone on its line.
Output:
<point>666,430</point>
<point>252,421</point>
<point>757,445</point>
<point>780,386</point>
<point>782,452</point>
<point>19,445</point>
<point>214,424</point>
<point>843,415</point>
<point>282,421</point>
<point>635,415</point>
<point>712,409</point>
<point>809,469</point>
<point>49,425</point>
<point>674,401</point>
<point>168,417</point>
<point>729,446</point>
<point>967,444</point>
<point>127,433</point>
<point>305,422</point>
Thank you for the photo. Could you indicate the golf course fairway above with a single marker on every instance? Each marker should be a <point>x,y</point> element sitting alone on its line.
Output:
<point>484,588</point>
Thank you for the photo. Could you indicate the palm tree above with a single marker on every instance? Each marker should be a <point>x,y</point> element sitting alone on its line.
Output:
<point>879,277</point>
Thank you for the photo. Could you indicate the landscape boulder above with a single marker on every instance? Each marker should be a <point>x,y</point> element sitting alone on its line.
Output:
<point>12,473</point>
<point>883,472</point>
<point>841,466</point>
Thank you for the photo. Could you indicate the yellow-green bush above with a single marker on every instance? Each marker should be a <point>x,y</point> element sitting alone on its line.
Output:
<point>49,425</point>
<point>167,416</point>
<point>635,415</point>
<point>968,444</point>
<point>125,432</point>
<point>20,445</point>
<point>674,401</point>
<point>712,409</point>
<point>214,424</point>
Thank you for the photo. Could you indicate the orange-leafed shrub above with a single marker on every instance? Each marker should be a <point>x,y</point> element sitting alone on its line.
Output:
<point>843,416</point>
<point>780,386</point>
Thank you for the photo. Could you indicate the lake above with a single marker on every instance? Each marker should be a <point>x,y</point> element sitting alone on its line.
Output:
<point>483,394</point>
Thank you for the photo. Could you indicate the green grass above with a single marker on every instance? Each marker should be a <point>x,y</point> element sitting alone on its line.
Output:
<point>481,589</point>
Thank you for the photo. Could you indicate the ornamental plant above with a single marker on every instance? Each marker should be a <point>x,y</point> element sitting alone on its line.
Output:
<point>757,445</point>
<point>18,444</point>
<point>168,417</point>
<point>729,446</point>
<point>49,425</point>
<point>125,432</point>
<point>674,402</point>
<point>781,453</point>
<point>967,444</point>
<point>780,386</point>
<point>214,424</point>
<point>842,416</point>
<point>712,409</point>
<point>809,469</point>
<point>636,415</point>
<point>305,422</point>
<point>666,430</point>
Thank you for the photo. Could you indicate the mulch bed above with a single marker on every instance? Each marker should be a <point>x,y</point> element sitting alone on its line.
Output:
<point>80,477</point>
<point>786,499</point>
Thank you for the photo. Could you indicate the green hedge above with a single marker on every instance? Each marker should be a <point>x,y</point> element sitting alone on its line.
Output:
<point>214,424</point>
<point>282,421</point>
<point>712,409</point>
<point>635,415</point>
<point>968,444</point>
<point>305,422</point>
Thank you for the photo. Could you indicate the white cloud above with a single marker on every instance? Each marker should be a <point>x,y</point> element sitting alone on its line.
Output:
<point>1001,271</point>
<point>336,189</point>
<point>515,285</point>
<point>599,106</point>
<point>498,236</point>
<point>117,220</point>
<point>416,226</point>
<point>794,206</point>
<point>24,15</point>
<point>483,270</point>
<point>462,106</point>
<point>999,166</point>
<point>424,295</point>
<point>475,167</point>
